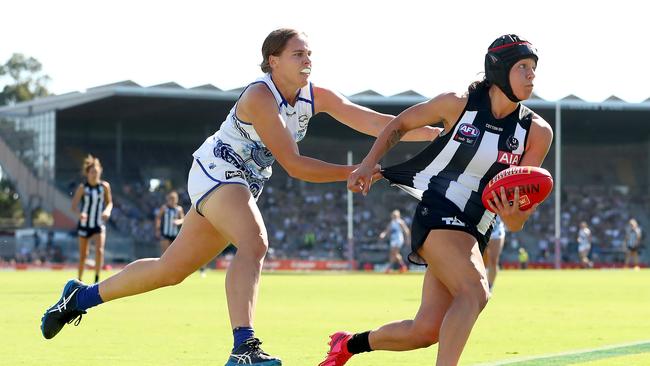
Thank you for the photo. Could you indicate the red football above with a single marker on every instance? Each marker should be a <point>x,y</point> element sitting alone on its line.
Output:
<point>535,184</point>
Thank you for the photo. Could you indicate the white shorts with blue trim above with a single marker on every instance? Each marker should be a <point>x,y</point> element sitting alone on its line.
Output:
<point>208,174</point>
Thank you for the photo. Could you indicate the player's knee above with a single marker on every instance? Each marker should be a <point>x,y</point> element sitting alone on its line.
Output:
<point>255,247</point>
<point>475,293</point>
<point>168,274</point>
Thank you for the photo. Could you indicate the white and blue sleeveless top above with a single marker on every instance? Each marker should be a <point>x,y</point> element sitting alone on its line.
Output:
<point>237,142</point>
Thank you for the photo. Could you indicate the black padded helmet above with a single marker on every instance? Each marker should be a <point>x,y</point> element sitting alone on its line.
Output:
<point>502,54</point>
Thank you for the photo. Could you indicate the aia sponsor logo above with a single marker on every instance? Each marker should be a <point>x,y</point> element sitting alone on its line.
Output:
<point>467,134</point>
<point>508,158</point>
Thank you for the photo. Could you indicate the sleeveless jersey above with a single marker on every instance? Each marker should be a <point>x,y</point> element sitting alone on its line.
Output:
<point>396,235</point>
<point>632,237</point>
<point>167,226</point>
<point>237,142</point>
<point>583,236</point>
<point>92,204</point>
<point>458,164</point>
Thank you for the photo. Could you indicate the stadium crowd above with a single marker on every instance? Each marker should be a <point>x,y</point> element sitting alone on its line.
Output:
<point>309,221</point>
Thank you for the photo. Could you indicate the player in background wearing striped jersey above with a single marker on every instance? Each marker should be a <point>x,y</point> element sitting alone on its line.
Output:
<point>226,178</point>
<point>485,131</point>
<point>168,221</point>
<point>93,202</point>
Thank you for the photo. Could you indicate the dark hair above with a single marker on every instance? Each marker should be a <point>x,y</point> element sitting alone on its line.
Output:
<point>90,162</point>
<point>478,85</point>
<point>274,44</point>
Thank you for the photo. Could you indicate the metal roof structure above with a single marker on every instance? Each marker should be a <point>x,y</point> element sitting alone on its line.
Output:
<point>129,88</point>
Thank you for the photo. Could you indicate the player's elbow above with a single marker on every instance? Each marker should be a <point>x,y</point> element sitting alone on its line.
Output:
<point>292,165</point>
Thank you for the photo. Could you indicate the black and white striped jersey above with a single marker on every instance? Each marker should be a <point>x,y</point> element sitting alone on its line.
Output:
<point>458,164</point>
<point>92,204</point>
<point>167,226</point>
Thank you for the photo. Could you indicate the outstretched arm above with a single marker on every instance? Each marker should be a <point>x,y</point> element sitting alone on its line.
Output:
<point>362,119</point>
<point>444,108</point>
<point>257,104</point>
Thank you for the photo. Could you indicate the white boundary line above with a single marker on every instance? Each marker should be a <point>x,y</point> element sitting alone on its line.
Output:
<point>569,353</point>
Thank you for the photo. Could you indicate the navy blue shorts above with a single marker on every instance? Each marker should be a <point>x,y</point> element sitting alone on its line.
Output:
<point>168,237</point>
<point>443,215</point>
<point>86,232</point>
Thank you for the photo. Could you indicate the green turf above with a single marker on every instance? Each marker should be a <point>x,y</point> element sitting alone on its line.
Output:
<point>532,313</point>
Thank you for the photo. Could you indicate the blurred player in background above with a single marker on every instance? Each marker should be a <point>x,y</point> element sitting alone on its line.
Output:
<point>486,131</point>
<point>493,250</point>
<point>226,178</point>
<point>93,202</point>
<point>168,221</point>
<point>632,243</point>
<point>584,245</point>
<point>397,231</point>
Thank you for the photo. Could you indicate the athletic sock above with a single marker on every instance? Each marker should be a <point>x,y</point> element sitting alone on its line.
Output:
<point>359,343</point>
<point>240,334</point>
<point>87,297</point>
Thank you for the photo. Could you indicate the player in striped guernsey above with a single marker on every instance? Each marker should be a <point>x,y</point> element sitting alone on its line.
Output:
<point>93,202</point>
<point>227,176</point>
<point>168,221</point>
<point>485,131</point>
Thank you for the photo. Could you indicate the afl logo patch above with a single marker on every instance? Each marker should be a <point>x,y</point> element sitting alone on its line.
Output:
<point>467,134</point>
<point>512,143</point>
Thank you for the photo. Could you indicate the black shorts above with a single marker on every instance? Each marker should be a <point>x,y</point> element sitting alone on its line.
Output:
<point>87,232</point>
<point>633,249</point>
<point>444,215</point>
<point>167,237</point>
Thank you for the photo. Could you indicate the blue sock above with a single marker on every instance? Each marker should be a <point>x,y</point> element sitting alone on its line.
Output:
<point>241,334</point>
<point>87,297</point>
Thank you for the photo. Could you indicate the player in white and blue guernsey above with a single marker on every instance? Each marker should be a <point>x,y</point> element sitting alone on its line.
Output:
<point>228,174</point>
<point>485,131</point>
<point>493,251</point>
<point>169,219</point>
<point>397,231</point>
<point>93,202</point>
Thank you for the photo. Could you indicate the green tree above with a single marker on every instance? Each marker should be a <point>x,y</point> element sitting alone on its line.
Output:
<point>27,80</point>
<point>9,204</point>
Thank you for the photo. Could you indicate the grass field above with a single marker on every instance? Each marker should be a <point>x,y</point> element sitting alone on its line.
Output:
<point>532,313</point>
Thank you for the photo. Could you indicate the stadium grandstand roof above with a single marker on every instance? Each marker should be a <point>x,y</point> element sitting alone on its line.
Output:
<point>129,88</point>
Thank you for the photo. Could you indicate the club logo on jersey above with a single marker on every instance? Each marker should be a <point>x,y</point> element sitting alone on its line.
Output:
<point>508,158</point>
<point>234,173</point>
<point>424,211</point>
<point>453,221</point>
<point>512,143</point>
<point>302,121</point>
<point>262,156</point>
<point>467,134</point>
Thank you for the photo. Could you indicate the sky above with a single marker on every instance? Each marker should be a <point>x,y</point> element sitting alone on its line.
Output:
<point>592,49</point>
